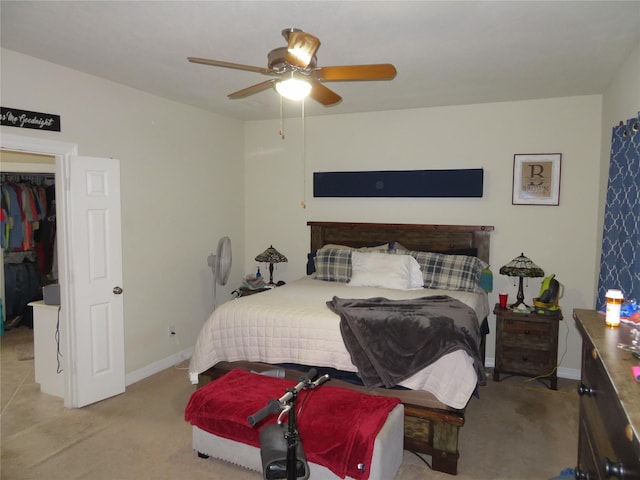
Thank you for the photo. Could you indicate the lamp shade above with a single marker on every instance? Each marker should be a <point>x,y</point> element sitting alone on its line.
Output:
<point>271,255</point>
<point>521,266</point>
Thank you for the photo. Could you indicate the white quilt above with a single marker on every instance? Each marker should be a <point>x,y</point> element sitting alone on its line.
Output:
<point>292,324</point>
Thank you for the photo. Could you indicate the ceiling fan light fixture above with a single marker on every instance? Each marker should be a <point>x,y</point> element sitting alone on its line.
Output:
<point>293,88</point>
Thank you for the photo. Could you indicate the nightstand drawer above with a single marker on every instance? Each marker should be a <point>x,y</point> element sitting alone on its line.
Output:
<point>538,330</point>
<point>527,361</point>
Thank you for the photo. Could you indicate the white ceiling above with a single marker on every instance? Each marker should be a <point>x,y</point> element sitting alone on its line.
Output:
<point>446,52</point>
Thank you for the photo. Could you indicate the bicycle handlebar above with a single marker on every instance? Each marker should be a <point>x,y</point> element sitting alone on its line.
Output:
<point>273,406</point>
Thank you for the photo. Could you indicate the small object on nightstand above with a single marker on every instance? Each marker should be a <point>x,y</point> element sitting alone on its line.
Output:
<point>504,297</point>
<point>245,291</point>
<point>251,285</point>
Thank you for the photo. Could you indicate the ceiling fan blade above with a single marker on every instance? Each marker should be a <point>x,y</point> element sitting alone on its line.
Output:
<point>235,66</point>
<point>322,94</point>
<point>257,88</point>
<point>345,73</point>
<point>301,48</point>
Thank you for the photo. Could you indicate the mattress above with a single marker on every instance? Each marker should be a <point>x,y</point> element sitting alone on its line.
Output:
<point>292,324</point>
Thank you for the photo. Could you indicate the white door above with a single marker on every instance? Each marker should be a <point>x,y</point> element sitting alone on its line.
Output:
<point>96,322</point>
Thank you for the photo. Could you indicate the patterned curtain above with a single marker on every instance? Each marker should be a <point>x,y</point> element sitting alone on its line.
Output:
<point>620,262</point>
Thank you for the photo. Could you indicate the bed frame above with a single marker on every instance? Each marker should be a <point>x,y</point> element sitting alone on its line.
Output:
<point>430,427</point>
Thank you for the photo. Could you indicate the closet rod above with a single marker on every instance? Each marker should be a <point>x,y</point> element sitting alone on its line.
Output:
<point>25,177</point>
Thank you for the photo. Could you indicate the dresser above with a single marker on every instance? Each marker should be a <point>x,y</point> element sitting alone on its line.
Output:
<point>526,344</point>
<point>609,427</point>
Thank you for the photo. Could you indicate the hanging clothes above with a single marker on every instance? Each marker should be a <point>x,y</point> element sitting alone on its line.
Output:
<point>26,209</point>
<point>28,240</point>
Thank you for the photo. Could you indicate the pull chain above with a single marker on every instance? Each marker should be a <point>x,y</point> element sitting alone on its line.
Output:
<point>281,120</point>
<point>304,159</point>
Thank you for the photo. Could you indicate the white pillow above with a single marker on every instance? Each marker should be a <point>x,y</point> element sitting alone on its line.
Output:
<point>375,269</point>
<point>417,279</point>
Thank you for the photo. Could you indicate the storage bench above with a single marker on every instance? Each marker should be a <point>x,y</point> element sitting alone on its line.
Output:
<point>344,433</point>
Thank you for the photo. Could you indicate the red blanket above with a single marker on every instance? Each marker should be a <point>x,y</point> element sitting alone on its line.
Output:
<point>337,426</point>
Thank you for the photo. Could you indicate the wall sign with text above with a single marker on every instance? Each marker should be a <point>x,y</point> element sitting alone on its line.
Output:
<point>13,117</point>
<point>536,179</point>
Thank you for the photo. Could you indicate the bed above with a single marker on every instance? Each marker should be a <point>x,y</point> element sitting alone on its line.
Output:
<point>295,326</point>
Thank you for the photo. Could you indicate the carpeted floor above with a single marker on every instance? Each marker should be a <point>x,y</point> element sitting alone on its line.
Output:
<point>516,430</point>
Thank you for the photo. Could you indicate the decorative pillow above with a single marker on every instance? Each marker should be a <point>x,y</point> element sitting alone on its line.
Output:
<point>450,272</point>
<point>486,280</point>
<point>384,247</point>
<point>311,257</point>
<point>417,279</point>
<point>376,269</point>
<point>311,263</point>
<point>397,247</point>
<point>333,264</point>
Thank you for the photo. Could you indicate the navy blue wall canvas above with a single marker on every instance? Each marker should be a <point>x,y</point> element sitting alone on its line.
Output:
<point>400,183</point>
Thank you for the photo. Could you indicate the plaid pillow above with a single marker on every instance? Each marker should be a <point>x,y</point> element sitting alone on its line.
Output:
<point>333,264</point>
<point>450,272</point>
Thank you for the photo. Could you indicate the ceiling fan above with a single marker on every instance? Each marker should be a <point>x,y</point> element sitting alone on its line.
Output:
<point>297,63</point>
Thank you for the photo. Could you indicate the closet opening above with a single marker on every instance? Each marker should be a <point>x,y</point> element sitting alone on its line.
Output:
<point>28,234</point>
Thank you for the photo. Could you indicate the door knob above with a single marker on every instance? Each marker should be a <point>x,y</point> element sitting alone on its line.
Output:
<point>117,290</point>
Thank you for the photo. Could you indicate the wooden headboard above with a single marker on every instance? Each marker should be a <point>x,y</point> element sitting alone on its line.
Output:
<point>411,236</point>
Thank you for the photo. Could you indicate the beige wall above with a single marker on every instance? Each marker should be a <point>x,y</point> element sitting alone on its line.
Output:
<point>558,239</point>
<point>564,240</point>
<point>181,181</point>
<point>185,184</point>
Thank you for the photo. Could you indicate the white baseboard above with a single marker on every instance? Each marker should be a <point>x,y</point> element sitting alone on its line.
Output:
<point>158,366</point>
<point>569,373</point>
<point>168,362</point>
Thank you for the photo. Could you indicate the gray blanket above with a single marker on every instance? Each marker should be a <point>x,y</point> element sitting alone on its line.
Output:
<point>390,340</point>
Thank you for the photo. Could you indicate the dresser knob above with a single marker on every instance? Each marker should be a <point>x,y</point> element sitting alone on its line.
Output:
<point>580,474</point>
<point>615,470</point>
<point>527,332</point>
<point>584,390</point>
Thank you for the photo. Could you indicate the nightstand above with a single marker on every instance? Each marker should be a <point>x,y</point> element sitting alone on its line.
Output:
<point>526,344</point>
<point>244,291</point>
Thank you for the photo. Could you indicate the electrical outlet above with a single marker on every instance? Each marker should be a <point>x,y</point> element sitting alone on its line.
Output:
<point>172,331</point>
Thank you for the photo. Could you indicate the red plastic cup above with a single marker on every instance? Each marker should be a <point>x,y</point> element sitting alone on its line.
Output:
<point>502,298</point>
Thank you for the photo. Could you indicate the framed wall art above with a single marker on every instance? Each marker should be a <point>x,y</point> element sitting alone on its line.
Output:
<point>536,179</point>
